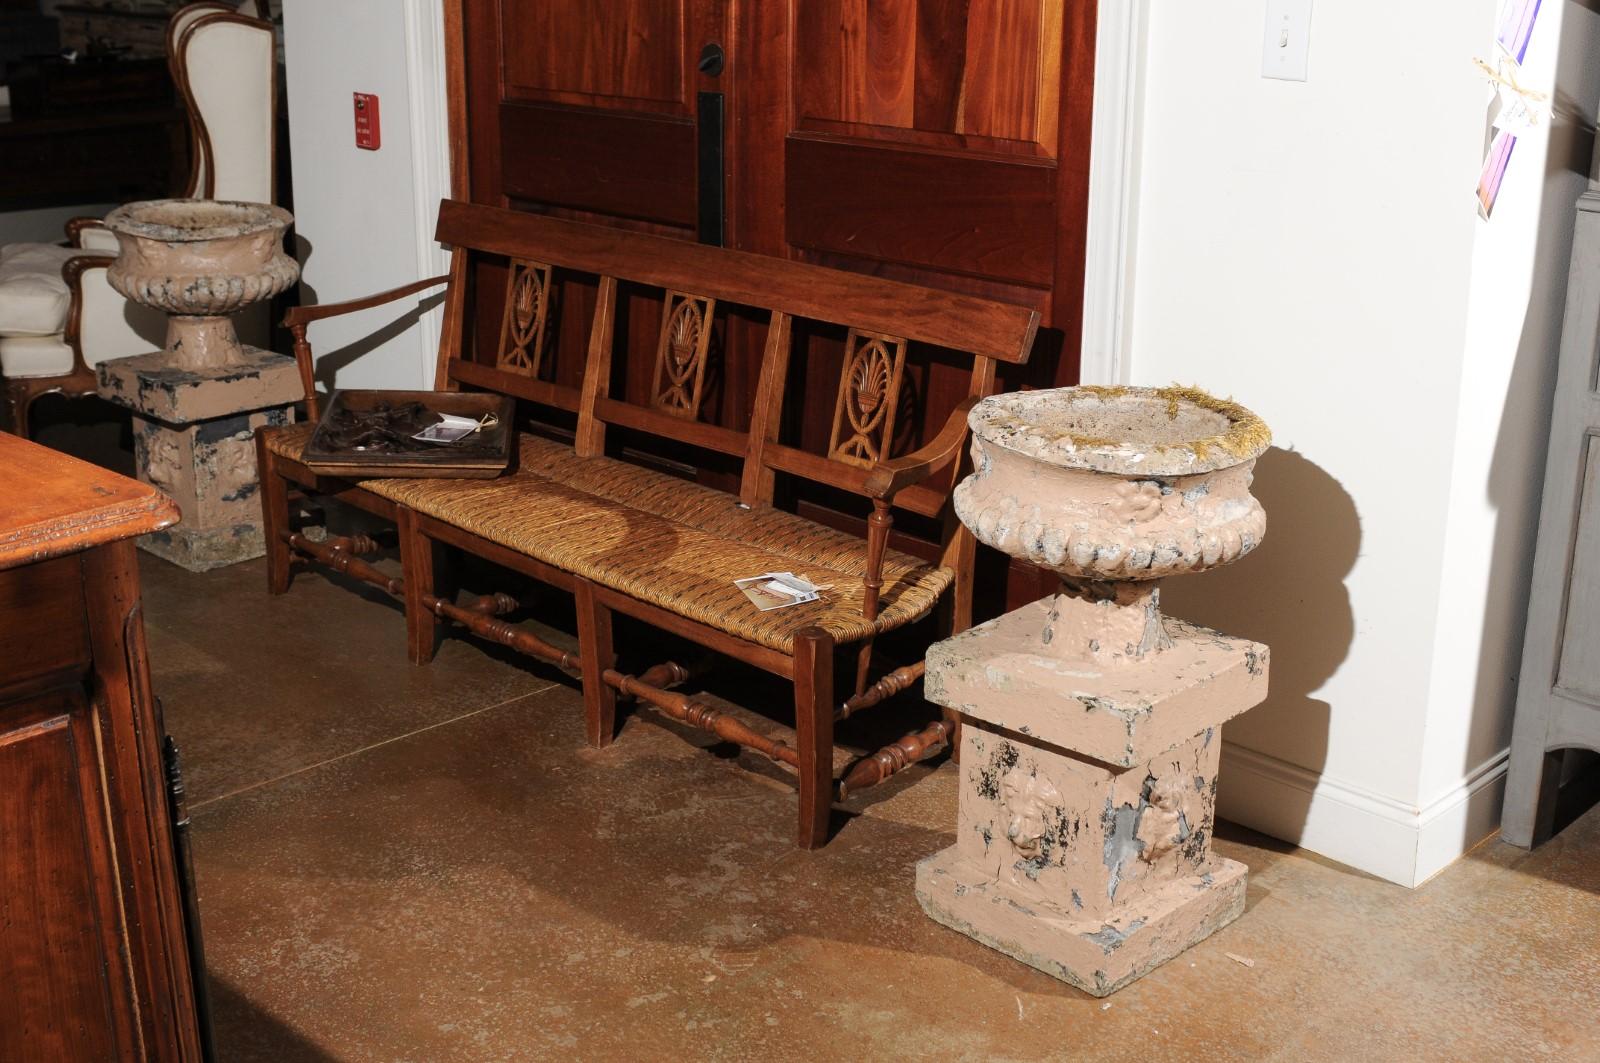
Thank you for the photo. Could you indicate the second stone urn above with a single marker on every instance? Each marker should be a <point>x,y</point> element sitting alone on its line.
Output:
<point>198,401</point>
<point>1090,751</point>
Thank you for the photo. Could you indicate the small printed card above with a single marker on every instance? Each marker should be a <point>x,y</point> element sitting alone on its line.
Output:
<point>449,429</point>
<point>774,590</point>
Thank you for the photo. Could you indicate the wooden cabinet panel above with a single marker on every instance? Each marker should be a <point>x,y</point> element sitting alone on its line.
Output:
<point>42,630</point>
<point>94,961</point>
<point>59,937</point>
<point>1578,667</point>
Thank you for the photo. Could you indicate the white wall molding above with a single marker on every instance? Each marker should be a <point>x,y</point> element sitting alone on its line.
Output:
<point>430,147</point>
<point>1114,152</point>
<point>1371,832</point>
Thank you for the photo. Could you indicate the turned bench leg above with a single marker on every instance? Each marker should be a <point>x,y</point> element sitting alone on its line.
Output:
<point>416,566</point>
<point>813,724</point>
<point>596,654</point>
<point>274,516</point>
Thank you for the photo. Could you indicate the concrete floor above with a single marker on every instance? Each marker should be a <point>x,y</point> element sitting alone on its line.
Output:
<point>401,863</point>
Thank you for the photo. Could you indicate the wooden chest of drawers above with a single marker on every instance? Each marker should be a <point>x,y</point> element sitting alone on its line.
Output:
<point>93,954</point>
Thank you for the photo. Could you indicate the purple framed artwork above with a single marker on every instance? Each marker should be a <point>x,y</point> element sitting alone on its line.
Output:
<point>1516,26</point>
<point>1494,171</point>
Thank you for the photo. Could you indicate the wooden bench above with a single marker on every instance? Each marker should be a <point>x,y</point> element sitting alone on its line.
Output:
<point>626,537</point>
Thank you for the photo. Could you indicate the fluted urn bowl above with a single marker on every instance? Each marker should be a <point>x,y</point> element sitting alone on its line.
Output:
<point>1117,483</point>
<point>200,260</point>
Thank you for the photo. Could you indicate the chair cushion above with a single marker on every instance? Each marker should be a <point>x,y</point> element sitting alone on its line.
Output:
<point>33,297</point>
<point>670,542</point>
<point>22,356</point>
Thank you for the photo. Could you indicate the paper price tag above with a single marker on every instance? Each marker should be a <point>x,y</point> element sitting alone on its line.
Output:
<point>775,590</point>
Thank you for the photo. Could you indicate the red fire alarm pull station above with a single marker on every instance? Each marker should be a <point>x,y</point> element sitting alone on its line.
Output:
<point>368,133</point>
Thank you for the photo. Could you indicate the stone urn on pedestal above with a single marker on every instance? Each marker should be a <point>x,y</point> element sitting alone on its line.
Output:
<point>197,403</point>
<point>1091,721</point>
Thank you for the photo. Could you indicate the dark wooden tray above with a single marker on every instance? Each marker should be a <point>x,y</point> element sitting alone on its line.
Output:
<point>385,420</point>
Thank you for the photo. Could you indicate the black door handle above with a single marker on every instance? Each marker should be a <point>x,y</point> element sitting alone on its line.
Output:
<point>711,58</point>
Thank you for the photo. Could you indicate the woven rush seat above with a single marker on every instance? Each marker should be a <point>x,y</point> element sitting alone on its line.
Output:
<point>666,541</point>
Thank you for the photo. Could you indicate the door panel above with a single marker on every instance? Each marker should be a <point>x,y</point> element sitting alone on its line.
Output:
<point>981,74</point>
<point>954,214</point>
<point>599,53</point>
<point>598,163</point>
<point>587,107</point>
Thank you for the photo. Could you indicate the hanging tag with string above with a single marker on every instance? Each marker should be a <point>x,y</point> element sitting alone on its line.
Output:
<point>1519,108</point>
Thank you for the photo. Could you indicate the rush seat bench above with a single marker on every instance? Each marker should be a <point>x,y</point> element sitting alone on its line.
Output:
<point>626,536</point>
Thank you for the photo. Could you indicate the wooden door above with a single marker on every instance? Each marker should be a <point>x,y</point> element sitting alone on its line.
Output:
<point>944,142</point>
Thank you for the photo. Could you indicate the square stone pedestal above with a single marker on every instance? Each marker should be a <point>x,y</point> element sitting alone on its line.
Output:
<point>193,439</point>
<point>1088,796</point>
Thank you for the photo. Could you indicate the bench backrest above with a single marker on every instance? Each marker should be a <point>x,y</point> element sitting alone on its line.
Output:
<point>882,318</point>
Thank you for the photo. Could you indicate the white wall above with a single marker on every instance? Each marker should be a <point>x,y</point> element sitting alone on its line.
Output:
<point>1313,249</point>
<point>365,218</point>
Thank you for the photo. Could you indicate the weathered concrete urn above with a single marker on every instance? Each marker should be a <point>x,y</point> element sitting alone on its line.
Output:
<point>197,402</point>
<point>1089,755</point>
<point>201,260</point>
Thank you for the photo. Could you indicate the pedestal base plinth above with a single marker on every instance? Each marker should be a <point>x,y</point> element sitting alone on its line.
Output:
<point>202,550</point>
<point>150,385</point>
<point>193,433</point>
<point>1088,795</point>
<point>1097,955</point>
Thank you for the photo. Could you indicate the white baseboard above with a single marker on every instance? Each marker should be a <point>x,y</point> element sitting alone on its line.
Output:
<point>1371,832</point>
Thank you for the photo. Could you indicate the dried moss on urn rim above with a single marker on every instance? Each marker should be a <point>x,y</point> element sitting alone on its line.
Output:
<point>185,221</point>
<point>1130,431</point>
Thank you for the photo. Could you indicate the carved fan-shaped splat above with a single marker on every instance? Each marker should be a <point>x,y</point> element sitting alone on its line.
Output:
<point>522,327</point>
<point>869,391</point>
<point>681,354</point>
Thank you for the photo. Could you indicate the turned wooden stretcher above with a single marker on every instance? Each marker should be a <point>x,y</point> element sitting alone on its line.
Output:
<point>627,537</point>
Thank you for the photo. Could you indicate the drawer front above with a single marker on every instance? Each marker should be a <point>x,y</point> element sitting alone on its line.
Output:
<point>43,631</point>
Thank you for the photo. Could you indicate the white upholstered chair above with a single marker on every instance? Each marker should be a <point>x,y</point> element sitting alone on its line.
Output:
<point>59,318</point>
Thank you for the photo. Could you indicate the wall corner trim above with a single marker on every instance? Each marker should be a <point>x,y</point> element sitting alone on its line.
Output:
<point>1370,832</point>
<point>430,153</point>
<point>1114,152</point>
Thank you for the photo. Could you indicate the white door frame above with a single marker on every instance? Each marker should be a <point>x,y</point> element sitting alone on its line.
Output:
<point>430,159</point>
<point>1114,153</point>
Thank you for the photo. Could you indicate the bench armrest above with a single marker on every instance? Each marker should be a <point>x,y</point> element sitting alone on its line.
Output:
<point>888,478</point>
<point>304,315</point>
<point>299,318</point>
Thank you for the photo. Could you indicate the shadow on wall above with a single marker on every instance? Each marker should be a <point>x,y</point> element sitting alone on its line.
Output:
<point>330,361</point>
<point>1290,594</point>
<point>329,364</point>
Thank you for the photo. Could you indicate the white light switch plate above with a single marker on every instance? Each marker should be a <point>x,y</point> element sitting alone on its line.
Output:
<point>1286,40</point>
